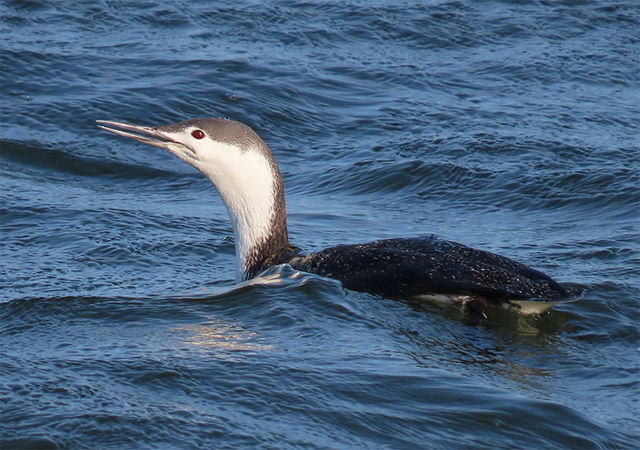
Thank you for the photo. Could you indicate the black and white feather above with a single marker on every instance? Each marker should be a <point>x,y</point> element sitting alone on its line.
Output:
<point>242,169</point>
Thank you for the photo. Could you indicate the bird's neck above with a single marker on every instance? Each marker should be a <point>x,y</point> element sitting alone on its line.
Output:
<point>254,197</point>
<point>261,236</point>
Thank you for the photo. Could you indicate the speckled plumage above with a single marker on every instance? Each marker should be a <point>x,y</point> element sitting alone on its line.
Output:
<point>240,165</point>
<point>402,268</point>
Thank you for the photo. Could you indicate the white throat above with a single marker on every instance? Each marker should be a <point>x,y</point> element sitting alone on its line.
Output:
<point>246,183</point>
<point>241,167</point>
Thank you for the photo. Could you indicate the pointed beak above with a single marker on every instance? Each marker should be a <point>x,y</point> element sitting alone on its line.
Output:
<point>148,135</point>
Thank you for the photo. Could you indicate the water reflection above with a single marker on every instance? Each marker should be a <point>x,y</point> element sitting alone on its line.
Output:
<point>217,335</point>
<point>518,350</point>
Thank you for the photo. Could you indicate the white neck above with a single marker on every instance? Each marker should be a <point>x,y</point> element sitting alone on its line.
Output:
<point>248,187</point>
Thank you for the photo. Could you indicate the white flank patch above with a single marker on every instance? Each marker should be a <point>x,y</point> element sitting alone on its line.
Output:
<point>442,299</point>
<point>529,307</point>
<point>525,307</point>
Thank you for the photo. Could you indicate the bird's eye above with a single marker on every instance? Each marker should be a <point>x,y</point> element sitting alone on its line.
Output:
<point>198,134</point>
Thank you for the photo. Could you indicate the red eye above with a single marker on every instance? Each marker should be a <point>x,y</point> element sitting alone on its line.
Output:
<point>198,134</point>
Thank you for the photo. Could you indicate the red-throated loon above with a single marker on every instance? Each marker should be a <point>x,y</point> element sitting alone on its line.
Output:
<point>242,169</point>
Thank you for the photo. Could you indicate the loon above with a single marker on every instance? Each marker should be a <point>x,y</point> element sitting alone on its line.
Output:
<point>245,174</point>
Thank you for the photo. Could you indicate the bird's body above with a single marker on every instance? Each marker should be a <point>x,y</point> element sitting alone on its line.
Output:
<point>245,174</point>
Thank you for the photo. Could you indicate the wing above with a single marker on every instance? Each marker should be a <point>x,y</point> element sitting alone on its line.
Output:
<point>401,268</point>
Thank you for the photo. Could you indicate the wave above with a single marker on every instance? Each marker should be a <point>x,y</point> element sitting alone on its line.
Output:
<point>56,159</point>
<point>515,185</point>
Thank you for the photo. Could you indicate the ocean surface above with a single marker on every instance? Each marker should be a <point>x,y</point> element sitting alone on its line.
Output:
<point>508,126</point>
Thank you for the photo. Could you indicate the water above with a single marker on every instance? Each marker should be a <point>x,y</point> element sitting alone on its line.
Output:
<point>508,126</point>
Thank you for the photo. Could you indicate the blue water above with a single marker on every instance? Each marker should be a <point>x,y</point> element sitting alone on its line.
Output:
<point>508,126</point>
